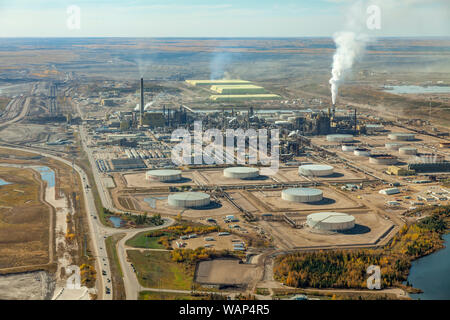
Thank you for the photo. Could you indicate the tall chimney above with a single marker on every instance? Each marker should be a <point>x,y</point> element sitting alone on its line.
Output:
<point>141,107</point>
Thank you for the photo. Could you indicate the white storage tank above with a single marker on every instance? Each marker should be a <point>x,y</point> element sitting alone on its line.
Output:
<point>428,158</point>
<point>361,152</point>
<point>315,170</point>
<point>348,147</point>
<point>330,221</point>
<point>401,136</point>
<point>407,150</point>
<point>301,195</point>
<point>189,199</point>
<point>241,172</point>
<point>384,159</point>
<point>339,137</point>
<point>393,146</point>
<point>163,175</point>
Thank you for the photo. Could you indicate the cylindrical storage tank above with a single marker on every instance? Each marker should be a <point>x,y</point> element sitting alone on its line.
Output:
<point>241,172</point>
<point>282,123</point>
<point>401,136</point>
<point>339,137</point>
<point>385,159</point>
<point>330,221</point>
<point>361,152</point>
<point>348,147</point>
<point>428,158</point>
<point>189,199</point>
<point>163,175</point>
<point>407,150</point>
<point>374,127</point>
<point>393,146</point>
<point>302,195</point>
<point>315,170</point>
<point>285,116</point>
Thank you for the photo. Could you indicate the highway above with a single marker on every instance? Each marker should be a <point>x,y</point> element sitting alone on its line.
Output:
<point>99,233</point>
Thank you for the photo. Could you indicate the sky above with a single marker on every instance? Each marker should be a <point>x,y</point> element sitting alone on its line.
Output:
<point>220,18</point>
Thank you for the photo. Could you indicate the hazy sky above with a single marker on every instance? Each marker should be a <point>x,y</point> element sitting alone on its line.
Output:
<point>213,18</point>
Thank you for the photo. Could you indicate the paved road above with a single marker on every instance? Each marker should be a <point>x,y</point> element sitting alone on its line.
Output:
<point>132,286</point>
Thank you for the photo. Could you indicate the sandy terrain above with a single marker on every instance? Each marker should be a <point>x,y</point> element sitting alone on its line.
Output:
<point>225,271</point>
<point>219,243</point>
<point>38,285</point>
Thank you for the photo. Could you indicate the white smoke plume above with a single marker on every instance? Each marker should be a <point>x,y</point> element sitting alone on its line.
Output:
<point>349,46</point>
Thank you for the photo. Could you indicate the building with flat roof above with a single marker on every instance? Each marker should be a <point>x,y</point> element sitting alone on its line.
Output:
<point>244,97</point>
<point>238,89</point>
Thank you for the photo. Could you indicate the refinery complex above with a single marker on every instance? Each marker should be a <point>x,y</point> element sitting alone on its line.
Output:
<point>153,176</point>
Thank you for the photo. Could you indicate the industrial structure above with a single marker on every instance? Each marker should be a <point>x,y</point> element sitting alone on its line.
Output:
<point>165,175</point>
<point>302,195</point>
<point>401,136</point>
<point>330,221</point>
<point>384,159</point>
<point>241,172</point>
<point>315,170</point>
<point>189,199</point>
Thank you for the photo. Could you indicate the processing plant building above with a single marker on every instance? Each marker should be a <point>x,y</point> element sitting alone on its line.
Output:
<point>330,221</point>
<point>243,97</point>
<point>217,82</point>
<point>302,195</point>
<point>238,89</point>
<point>189,199</point>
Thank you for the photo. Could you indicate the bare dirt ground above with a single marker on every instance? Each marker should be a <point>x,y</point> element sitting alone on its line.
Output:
<point>219,243</point>
<point>226,272</point>
<point>36,285</point>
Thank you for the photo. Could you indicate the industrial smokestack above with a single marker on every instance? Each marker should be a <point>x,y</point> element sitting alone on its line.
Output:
<point>141,107</point>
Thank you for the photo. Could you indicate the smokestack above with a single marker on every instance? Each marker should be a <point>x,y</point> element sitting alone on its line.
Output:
<point>141,107</point>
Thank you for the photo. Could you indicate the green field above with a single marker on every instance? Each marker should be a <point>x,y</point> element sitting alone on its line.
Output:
<point>150,295</point>
<point>116,270</point>
<point>141,241</point>
<point>155,269</point>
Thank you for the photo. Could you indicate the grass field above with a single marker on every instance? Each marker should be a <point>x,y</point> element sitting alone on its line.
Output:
<point>155,269</point>
<point>151,295</point>
<point>24,220</point>
<point>141,241</point>
<point>116,270</point>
